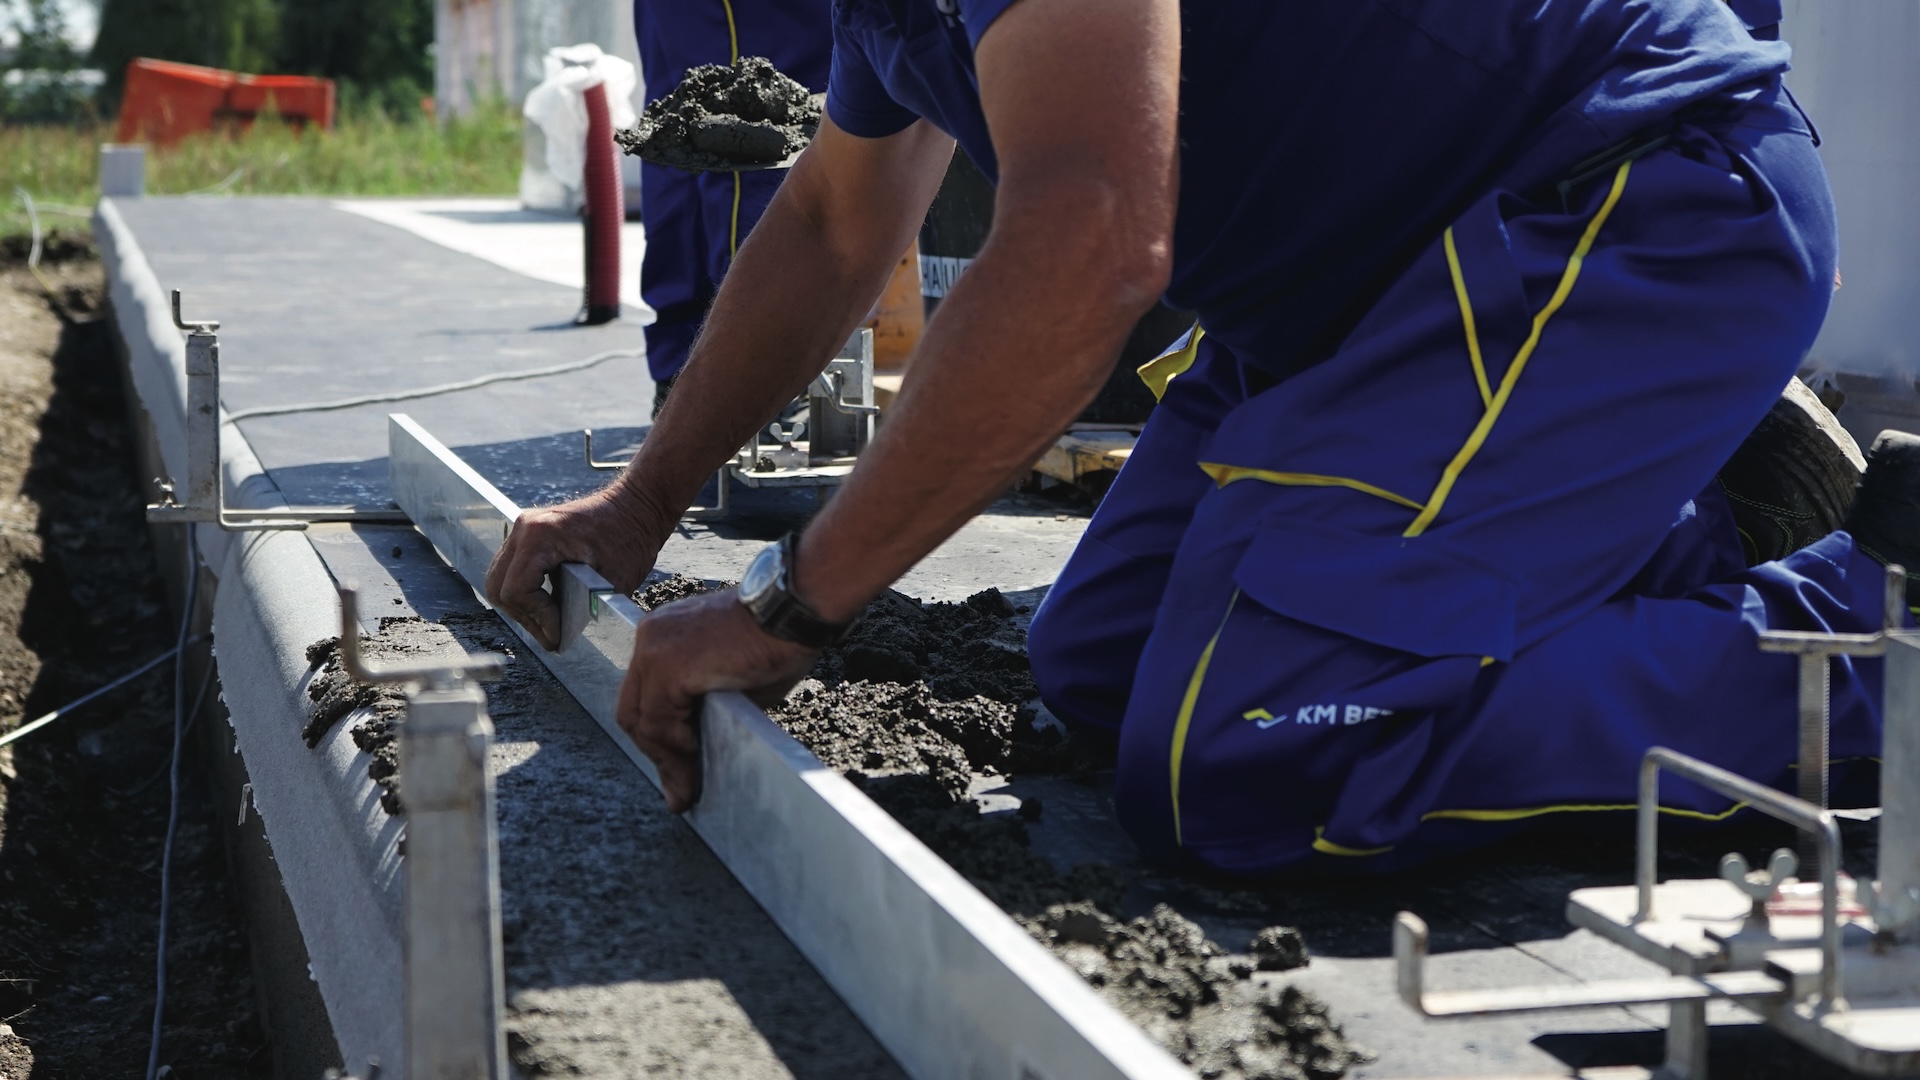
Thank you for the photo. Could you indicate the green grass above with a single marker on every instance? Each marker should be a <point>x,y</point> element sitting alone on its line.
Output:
<point>365,154</point>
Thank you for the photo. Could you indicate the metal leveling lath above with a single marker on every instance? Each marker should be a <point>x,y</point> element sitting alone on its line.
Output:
<point>945,980</point>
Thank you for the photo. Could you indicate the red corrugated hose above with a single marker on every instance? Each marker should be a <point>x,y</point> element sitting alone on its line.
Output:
<point>603,214</point>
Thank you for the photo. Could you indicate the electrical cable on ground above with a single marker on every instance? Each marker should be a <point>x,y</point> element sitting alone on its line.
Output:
<point>193,717</point>
<point>33,256</point>
<point>232,178</point>
<point>173,800</point>
<point>28,729</point>
<point>431,391</point>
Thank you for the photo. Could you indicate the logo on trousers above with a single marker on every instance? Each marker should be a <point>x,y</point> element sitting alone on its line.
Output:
<point>1317,716</point>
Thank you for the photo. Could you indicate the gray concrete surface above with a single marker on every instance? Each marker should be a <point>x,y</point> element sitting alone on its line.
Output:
<point>318,303</point>
<point>631,951</point>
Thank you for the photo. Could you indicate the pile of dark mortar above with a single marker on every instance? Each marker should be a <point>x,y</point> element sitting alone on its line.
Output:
<point>335,694</point>
<point>725,117</point>
<point>922,697</point>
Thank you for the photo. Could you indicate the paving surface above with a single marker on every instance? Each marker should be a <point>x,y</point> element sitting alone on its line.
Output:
<point>629,947</point>
<point>630,950</point>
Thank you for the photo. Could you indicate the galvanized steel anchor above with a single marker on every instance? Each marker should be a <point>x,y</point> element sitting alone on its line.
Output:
<point>204,497</point>
<point>454,974</point>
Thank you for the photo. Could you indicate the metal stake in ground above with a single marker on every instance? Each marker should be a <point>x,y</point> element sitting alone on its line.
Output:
<point>454,972</point>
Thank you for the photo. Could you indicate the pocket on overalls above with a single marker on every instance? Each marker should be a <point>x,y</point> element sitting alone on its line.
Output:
<point>1413,595</point>
<point>1322,687</point>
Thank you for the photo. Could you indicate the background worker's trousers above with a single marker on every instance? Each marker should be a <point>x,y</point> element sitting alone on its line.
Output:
<point>694,222</point>
<point>1455,579</point>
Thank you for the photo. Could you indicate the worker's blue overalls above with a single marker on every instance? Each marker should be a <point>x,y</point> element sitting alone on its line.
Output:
<point>695,221</point>
<point>1425,545</point>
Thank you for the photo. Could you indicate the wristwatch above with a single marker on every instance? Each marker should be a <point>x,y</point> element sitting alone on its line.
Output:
<point>766,590</point>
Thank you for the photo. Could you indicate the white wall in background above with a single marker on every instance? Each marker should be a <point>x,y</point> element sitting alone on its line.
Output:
<point>494,47</point>
<point>1856,70</point>
<point>473,57</point>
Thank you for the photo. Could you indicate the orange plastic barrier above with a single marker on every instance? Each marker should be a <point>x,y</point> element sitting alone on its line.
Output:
<point>165,102</point>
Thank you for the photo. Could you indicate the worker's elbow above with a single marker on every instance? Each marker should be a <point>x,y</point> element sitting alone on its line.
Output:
<point>1144,272</point>
<point>1114,240</point>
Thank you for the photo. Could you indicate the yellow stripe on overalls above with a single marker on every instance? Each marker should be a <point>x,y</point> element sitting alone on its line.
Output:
<point>1166,367</point>
<point>1466,318</point>
<point>1227,474</point>
<point>1160,370</point>
<point>1501,396</point>
<point>733,48</point>
<point>1185,718</point>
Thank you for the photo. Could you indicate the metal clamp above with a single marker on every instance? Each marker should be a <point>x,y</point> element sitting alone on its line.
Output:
<point>722,504</point>
<point>1759,886</point>
<point>206,500</point>
<point>1799,813</point>
<point>1815,651</point>
<point>454,985</point>
<point>438,675</point>
<point>594,463</point>
<point>829,386</point>
<point>206,326</point>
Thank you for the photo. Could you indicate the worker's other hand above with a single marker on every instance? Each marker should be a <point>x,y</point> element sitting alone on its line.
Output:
<point>609,530</point>
<point>683,651</point>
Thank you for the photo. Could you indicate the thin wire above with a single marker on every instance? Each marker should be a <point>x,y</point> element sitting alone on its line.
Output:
<point>193,717</point>
<point>173,802</point>
<point>28,729</point>
<point>431,391</point>
<point>33,255</point>
<point>223,185</point>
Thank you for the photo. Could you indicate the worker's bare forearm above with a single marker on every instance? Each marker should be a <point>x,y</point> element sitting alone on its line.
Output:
<point>804,279</point>
<point>1022,344</point>
<point>1081,98</point>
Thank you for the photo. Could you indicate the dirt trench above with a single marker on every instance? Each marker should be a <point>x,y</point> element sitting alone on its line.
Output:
<point>83,802</point>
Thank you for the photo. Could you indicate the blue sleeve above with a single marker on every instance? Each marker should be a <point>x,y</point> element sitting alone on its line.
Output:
<point>857,99</point>
<point>979,14</point>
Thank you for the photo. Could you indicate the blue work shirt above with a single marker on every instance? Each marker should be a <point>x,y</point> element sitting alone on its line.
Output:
<point>1324,142</point>
<point>675,35</point>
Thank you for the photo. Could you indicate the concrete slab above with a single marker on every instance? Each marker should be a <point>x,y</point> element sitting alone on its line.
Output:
<point>631,950</point>
<point>543,246</point>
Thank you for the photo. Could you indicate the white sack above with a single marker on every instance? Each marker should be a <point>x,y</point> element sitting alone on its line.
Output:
<point>556,107</point>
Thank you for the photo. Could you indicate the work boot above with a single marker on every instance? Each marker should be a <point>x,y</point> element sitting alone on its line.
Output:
<point>1790,483</point>
<point>1885,519</point>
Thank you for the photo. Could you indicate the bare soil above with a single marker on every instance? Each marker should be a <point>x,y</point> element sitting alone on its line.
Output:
<point>83,802</point>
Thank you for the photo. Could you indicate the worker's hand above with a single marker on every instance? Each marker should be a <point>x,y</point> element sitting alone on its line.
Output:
<point>610,530</point>
<point>683,651</point>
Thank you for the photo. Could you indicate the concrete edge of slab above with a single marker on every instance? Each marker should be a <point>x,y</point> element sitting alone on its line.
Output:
<point>945,980</point>
<point>333,845</point>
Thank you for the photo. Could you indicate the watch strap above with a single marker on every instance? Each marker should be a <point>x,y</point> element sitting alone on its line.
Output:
<point>793,619</point>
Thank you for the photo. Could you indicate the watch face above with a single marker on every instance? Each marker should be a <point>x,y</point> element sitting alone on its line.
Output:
<point>762,574</point>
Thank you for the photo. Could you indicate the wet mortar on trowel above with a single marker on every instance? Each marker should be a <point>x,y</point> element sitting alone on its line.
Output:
<point>723,117</point>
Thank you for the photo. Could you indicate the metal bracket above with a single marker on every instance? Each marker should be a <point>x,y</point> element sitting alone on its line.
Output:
<point>840,418</point>
<point>454,972</point>
<point>722,504</point>
<point>1815,650</point>
<point>205,495</point>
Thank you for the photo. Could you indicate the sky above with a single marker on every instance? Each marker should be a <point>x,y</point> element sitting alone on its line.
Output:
<point>83,22</point>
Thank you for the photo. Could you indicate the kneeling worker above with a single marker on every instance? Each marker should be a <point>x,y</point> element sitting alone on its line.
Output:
<point>1425,541</point>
